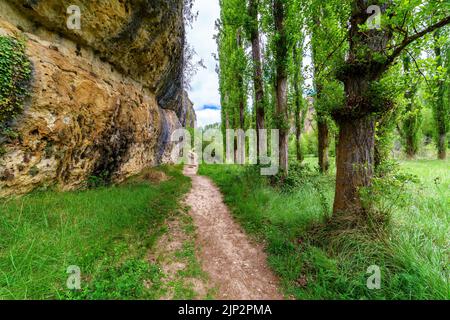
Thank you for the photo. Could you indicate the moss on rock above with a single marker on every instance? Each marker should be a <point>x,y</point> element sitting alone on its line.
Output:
<point>15,77</point>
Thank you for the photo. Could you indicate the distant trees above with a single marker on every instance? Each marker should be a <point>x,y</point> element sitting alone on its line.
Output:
<point>409,129</point>
<point>233,66</point>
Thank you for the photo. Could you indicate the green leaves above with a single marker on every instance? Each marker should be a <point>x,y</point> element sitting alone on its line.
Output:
<point>15,76</point>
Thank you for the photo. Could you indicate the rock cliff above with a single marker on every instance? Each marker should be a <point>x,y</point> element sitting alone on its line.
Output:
<point>103,98</point>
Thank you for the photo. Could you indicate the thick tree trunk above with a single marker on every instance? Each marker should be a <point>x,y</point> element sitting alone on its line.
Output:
<point>257,69</point>
<point>281,83</point>
<point>354,162</point>
<point>323,145</point>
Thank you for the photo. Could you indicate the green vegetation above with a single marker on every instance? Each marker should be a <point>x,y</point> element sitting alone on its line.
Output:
<point>319,258</point>
<point>15,76</point>
<point>363,97</point>
<point>107,232</point>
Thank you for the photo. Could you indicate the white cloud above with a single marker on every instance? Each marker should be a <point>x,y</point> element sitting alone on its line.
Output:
<point>205,84</point>
<point>207,116</point>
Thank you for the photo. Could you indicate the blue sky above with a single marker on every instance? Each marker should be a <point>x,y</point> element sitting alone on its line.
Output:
<point>205,84</point>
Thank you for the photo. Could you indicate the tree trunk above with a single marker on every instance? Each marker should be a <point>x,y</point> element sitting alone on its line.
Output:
<point>442,146</point>
<point>299,114</point>
<point>281,83</point>
<point>440,112</point>
<point>298,135</point>
<point>411,124</point>
<point>354,162</point>
<point>241,114</point>
<point>410,149</point>
<point>323,144</point>
<point>356,145</point>
<point>240,80</point>
<point>257,70</point>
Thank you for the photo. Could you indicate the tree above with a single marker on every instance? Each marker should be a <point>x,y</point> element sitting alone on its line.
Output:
<point>440,106</point>
<point>323,139</point>
<point>281,53</point>
<point>326,25</point>
<point>258,83</point>
<point>412,116</point>
<point>232,68</point>
<point>372,51</point>
<point>300,109</point>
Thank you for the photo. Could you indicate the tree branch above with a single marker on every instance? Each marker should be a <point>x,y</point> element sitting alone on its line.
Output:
<point>418,68</point>
<point>322,65</point>
<point>408,40</point>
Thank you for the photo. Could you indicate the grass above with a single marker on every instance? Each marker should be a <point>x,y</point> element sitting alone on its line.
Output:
<point>316,259</point>
<point>107,232</point>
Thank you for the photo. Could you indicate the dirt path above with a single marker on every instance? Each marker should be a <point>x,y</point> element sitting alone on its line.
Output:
<point>235,265</point>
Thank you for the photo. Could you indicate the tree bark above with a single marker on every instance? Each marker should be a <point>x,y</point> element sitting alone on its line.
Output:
<point>354,162</point>
<point>281,83</point>
<point>299,124</point>
<point>323,144</point>
<point>410,149</point>
<point>411,123</point>
<point>299,114</point>
<point>257,70</point>
<point>439,109</point>
<point>442,146</point>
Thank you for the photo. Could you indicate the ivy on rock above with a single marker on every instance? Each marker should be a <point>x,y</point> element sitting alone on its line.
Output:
<point>15,78</point>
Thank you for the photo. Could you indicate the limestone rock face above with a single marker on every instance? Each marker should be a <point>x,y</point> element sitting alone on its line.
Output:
<point>104,99</point>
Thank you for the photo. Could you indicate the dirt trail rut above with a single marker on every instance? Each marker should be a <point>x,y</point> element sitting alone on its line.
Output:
<point>235,265</point>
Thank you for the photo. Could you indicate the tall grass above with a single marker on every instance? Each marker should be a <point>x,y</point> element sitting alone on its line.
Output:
<point>317,259</point>
<point>105,231</point>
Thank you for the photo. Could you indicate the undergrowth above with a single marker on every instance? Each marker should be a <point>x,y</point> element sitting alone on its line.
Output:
<point>320,256</point>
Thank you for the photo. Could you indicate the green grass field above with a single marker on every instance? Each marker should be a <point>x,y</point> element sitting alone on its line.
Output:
<point>318,260</point>
<point>106,232</point>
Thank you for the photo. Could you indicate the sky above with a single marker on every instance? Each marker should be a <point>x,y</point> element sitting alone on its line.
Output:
<point>204,91</point>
